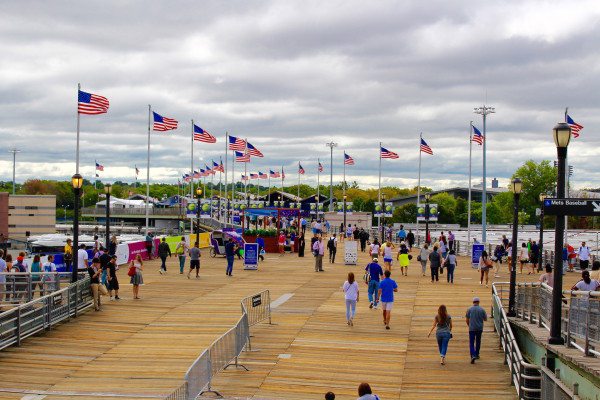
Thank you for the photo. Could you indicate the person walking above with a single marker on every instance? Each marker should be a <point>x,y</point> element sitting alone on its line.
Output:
<point>403,258</point>
<point>301,245</point>
<point>388,255</point>
<point>435,260</point>
<point>82,258</point>
<point>401,235</point>
<point>365,392</point>
<point>363,237</point>
<point>474,318</point>
<point>443,325</point>
<point>112,246</point>
<point>163,251</point>
<point>3,270</point>
<point>451,263</point>
<point>351,294</point>
<point>230,248</point>
<point>485,264</point>
<point>149,241</point>
<point>113,281</point>
<point>523,257</point>
<point>387,287</point>
<point>586,283</point>
<point>281,243</point>
<point>94,271</point>
<point>36,276</point>
<point>410,239</point>
<point>137,279</point>
<point>332,248</point>
<point>181,250</point>
<point>423,257</point>
<point>195,255</point>
<point>50,280</point>
<point>318,251</point>
<point>497,259</point>
<point>584,256</point>
<point>68,255</point>
<point>373,275</point>
<point>450,240</point>
<point>374,248</point>
<point>534,253</point>
<point>547,277</point>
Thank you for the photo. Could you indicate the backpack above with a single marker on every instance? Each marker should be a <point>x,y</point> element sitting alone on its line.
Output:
<point>20,266</point>
<point>330,244</point>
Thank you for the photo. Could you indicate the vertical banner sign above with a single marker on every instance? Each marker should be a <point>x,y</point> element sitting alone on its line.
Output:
<point>251,256</point>
<point>378,209</point>
<point>313,208</point>
<point>433,212</point>
<point>205,208</point>
<point>477,250</point>
<point>320,208</point>
<point>339,207</point>
<point>388,212</point>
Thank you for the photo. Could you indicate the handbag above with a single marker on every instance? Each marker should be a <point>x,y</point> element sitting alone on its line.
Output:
<point>419,258</point>
<point>131,271</point>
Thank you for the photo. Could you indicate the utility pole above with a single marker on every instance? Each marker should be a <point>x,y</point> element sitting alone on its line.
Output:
<point>14,152</point>
<point>331,145</point>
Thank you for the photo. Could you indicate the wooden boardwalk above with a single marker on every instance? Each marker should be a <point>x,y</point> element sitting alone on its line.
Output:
<point>144,347</point>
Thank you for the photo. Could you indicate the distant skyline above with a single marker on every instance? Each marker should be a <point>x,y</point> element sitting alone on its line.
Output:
<point>293,75</point>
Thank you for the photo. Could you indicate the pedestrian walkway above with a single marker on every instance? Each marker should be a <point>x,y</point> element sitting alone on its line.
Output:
<point>144,347</point>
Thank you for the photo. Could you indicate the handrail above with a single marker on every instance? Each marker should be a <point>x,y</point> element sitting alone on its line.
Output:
<point>525,376</point>
<point>19,287</point>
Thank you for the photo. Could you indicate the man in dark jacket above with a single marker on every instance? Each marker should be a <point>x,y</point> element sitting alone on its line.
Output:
<point>163,251</point>
<point>363,236</point>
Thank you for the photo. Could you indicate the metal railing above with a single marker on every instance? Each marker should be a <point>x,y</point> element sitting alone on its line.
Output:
<point>21,287</point>
<point>580,319</point>
<point>225,350</point>
<point>524,376</point>
<point>553,388</point>
<point>41,314</point>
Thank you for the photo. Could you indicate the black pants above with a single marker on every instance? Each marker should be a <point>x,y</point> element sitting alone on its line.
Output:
<point>163,266</point>
<point>363,245</point>
<point>332,255</point>
<point>450,245</point>
<point>435,274</point>
<point>584,264</point>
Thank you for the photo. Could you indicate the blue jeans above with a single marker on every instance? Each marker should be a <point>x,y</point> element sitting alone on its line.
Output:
<point>475,342</point>
<point>229,270</point>
<point>350,305</point>
<point>181,263</point>
<point>373,288</point>
<point>443,338</point>
<point>450,273</point>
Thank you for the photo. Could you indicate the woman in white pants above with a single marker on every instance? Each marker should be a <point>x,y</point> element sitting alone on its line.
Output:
<point>350,289</point>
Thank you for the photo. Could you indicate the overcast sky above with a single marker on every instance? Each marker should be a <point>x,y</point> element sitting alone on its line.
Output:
<point>293,75</point>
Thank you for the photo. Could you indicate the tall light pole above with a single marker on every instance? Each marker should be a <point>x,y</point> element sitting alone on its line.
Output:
<point>382,218</point>
<point>331,145</point>
<point>541,242</point>
<point>77,182</point>
<point>517,187</point>
<point>14,152</point>
<point>107,190</point>
<point>484,111</point>
<point>345,198</point>
<point>562,136</point>
<point>427,197</point>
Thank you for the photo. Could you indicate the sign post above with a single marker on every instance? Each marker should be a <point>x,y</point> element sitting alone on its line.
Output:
<point>251,256</point>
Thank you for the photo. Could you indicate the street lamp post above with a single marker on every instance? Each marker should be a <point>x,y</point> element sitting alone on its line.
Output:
<point>541,242</point>
<point>427,197</point>
<point>562,136</point>
<point>198,196</point>
<point>517,187</point>
<point>331,145</point>
<point>14,153</point>
<point>77,182</point>
<point>65,208</point>
<point>345,198</point>
<point>382,218</point>
<point>107,190</point>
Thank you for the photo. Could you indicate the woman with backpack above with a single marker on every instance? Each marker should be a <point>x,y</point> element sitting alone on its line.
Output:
<point>443,325</point>
<point>485,264</point>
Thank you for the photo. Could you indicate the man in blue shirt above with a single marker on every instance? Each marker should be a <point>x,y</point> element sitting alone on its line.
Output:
<point>475,318</point>
<point>401,234</point>
<point>375,273</point>
<point>387,287</point>
<point>229,254</point>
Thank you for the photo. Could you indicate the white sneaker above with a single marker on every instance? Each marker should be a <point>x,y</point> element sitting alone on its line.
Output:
<point>160,271</point>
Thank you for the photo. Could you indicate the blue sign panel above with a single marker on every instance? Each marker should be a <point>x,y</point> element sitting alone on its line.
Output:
<point>250,256</point>
<point>477,250</point>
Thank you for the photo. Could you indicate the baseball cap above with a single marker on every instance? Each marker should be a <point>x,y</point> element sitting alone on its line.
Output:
<point>375,259</point>
<point>475,299</point>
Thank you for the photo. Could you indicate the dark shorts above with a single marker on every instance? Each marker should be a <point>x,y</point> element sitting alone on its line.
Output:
<point>113,284</point>
<point>194,264</point>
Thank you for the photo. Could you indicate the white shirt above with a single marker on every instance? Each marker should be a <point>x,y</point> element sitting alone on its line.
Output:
<point>584,253</point>
<point>387,252</point>
<point>374,249</point>
<point>351,290</point>
<point>581,285</point>
<point>524,254</point>
<point>82,257</point>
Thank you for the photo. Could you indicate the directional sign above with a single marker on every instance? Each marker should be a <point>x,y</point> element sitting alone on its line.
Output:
<point>580,207</point>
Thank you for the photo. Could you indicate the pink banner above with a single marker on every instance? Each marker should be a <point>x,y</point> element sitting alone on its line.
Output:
<point>136,248</point>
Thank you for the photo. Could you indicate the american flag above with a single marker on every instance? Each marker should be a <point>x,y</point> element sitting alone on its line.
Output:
<point>425,147</point>
<point>137,171</point>
<point>477,136</point>
<point>209,170</point>
<point>201,135</point>
<point>262,175</point>
<point>244,177</point>
<point>196,174</point>
<point>253,151</point>
<point>218,167</point>
<point>320,167</point>
<point>348,160</point>
<point>92,104</point>
<point>235,143</point>
<point>300,169</point>
<point>274,174</point>
<point>385,153</point>
<point>163,123</point>
<point>241,157</point>
<point>186,177</point>
<point>575,127</point>
<point>99,167</point>
<point>253,176</point>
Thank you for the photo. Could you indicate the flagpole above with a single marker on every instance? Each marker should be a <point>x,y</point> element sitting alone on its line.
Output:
<point>318,184</point>
<point>567,185</point>
<point>469,203</point>
<point>95,173</point>
<point>148,171</point>
<point>246,169</point>
<point>344,181</point>
<point>282,179</point>
<point>192,163</point>
<point>298,179</point>
<point>269,191</point>
<point>419,183</point>
<point>135,181</point>
<point>232,174</point>
<point>379,196</point>
<point>77,146</point>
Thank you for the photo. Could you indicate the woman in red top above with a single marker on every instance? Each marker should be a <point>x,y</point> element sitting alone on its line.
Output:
<point>281,243</point>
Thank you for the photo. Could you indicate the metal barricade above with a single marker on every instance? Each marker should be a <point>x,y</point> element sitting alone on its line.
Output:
<point>40,314</point>
<point>258,307</point>
<point>22,287</point>
<point>225,350</point>
<point>553,388</point>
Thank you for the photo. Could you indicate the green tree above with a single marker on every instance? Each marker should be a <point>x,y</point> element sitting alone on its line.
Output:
<point>537,178</point>
<point>446,207</point>
<point>405,213</point>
